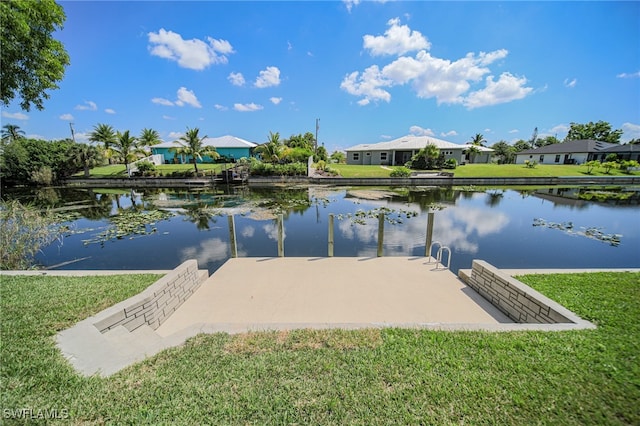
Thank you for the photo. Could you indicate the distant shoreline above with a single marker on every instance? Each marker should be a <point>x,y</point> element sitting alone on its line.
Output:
<point>159,182</point>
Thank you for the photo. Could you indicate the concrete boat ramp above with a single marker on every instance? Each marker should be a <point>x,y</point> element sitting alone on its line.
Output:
<point>254,294</point>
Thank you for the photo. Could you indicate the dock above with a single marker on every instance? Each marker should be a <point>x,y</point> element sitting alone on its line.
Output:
<point>329,292</point>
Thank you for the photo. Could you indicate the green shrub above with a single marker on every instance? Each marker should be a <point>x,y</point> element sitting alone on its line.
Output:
<point>451,163</point>
<point>627,166</point>
<point>146,168</point>
<point>400,172</point>
<point>530,164</point>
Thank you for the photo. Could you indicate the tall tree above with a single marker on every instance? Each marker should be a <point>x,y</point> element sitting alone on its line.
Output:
<point>32,60</point>
<point>548,140</point>
<point>85,156</point>
<point>504,152</point>
<point>272,150</point>
<point>11,132</point>
<point>104,134</point>
<point>472,151</point>
<point>478,140</point>
<point>600,131</point>
<point>126,147</point>
<point>193,145</point>
<point>521,145</point>
<point>149,138</point>
<point>534,138</point>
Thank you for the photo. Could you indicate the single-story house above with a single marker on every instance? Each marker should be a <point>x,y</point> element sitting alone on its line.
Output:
<point>229,147</point>
<point>570,152</point>
<point>398,151</point>
<point>625,152</point>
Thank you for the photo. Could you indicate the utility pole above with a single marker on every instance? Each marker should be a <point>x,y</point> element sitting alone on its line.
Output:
<point>317,127</point>
<point>73,134</point>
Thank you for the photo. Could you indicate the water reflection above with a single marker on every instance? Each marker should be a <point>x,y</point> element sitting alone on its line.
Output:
<point>494,224</point>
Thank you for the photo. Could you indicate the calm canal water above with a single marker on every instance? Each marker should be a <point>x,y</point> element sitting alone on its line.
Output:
<point>543,228</point>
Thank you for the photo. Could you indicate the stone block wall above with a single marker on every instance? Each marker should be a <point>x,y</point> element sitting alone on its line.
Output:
<point>515,299</point>
<point>157,302</point>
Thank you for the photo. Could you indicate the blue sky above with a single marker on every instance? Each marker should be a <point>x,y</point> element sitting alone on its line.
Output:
<point>369,70</point>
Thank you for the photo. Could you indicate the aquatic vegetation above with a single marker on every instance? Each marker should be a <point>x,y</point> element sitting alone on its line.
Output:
<point>589,232</point>
<point>604,195</point>
<point>391,216</point>
<point>129,223</point>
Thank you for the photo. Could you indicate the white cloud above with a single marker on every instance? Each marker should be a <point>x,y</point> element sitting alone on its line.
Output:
<point>66,117</point>
<point>419,131</point>
<point>350,3</point>
<point>220,107</point>
<point>87,106</point>
<point>193,54</point>
<point>559,129</point>
<point>629,75</point>
<point>268,77</point>
<point>211,250</point>
<point>570,83</point>
<point>168,117</point>
<point>289,45</point>
<point>15,115</point>
<point>275,100</point>
<point>368,85</point>
<point>175,135</point>
<point>236,78</point>
<point>631,131</point>
<point>397,40</point>
<point>449,133</point>
<point>508,88</point>
<point>162,101</point>
<point>186,96</point>
<point>449,81</point>
<point>248,231</point>
<point>514,131</point>
<point>247,107</point>
<point>110,111</point>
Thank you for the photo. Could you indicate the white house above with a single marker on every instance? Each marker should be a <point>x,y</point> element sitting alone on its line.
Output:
<point>399,151</point>
<point>570,152</point>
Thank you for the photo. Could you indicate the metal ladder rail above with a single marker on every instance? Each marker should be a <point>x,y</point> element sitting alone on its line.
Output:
<point>438,258</point>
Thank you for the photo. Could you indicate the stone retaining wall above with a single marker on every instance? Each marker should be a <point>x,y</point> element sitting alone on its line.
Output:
<point>156,303</point>
<point>515,299</point>
<point>161,182</point>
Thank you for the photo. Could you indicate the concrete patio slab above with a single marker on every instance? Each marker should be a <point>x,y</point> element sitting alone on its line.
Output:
<point>245,292</point>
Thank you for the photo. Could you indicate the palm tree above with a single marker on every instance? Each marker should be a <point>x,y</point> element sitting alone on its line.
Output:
<point>126,148</point>
<point>472,151</point>
<point>87,156</point>
<point>11,132</point>
<point>478,140</point>
<point>272,150</point>
<point>192,144</point>
<point>148,138</point>
<point>104,134</point>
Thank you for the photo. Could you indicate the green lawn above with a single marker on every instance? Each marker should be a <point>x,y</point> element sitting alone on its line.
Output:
<point>392,376</point>
<point>357,171</point>
<point>520,170</point>
<point>482,170</point>
<point>118,170</point>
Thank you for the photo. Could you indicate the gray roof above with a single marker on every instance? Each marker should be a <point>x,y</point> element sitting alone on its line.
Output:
<point>583,145</point>
<point>221,142</point>
<point>409,143</point>
<point>624,148</point>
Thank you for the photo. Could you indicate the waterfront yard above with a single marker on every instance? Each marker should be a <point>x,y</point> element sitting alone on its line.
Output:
<point>332,377</point>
